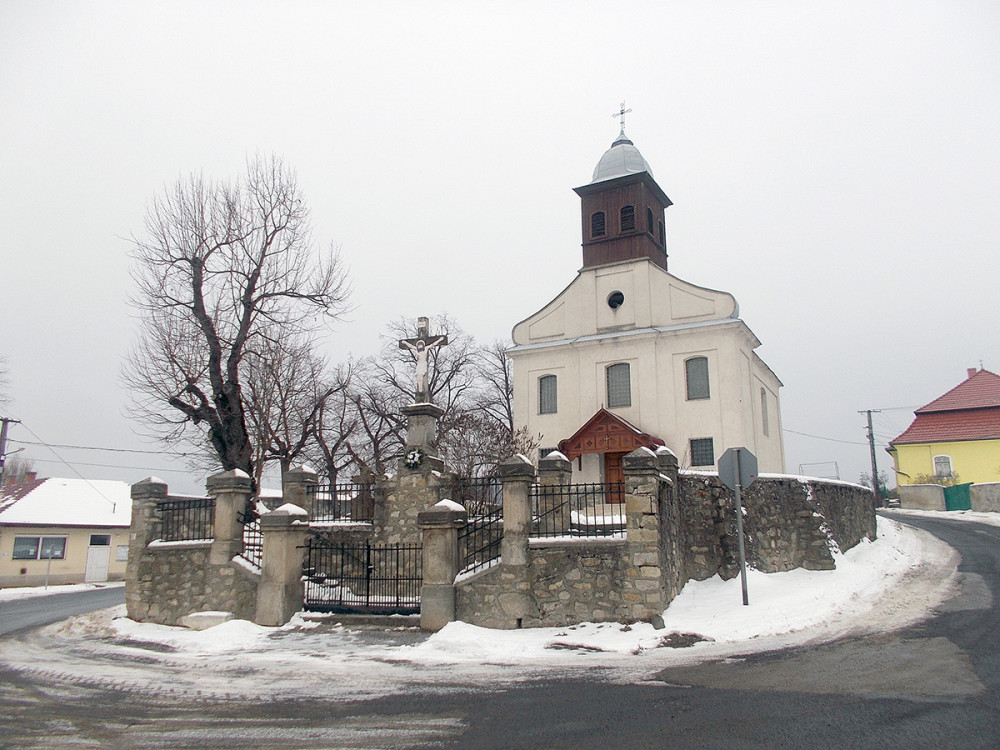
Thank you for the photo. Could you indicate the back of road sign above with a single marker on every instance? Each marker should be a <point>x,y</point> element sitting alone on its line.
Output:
<point>747,468</point>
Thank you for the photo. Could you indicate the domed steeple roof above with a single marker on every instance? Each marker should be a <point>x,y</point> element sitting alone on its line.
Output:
<point>623,158</point>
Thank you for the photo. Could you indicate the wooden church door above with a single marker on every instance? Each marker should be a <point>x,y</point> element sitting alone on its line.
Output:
<point>613,475</point>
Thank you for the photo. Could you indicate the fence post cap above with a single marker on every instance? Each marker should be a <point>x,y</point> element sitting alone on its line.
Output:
<point>302,474</point>
<point>517,467</point>
<point>283,515</point>
<point>666,457</point>
<point>555,461</point>
<point>234,479</point>
<point>149,488</point>
<point>443,513</point>
<point>639,459</point>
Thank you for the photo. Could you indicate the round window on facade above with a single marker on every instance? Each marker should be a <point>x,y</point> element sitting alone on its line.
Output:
<point>616,300</point>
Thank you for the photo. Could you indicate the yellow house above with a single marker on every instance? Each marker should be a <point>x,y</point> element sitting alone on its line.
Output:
<point>64,531</point>
<point>954,437</point>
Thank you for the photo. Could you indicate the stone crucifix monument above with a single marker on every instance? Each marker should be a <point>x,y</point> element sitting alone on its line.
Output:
<point>417,483</point>
<point>420,455</point>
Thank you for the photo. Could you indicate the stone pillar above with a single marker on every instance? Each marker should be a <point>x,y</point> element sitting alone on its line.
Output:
<point>421,436</point>
<point>231,490</point>
<point>517,475</point>
<point>279,593</point>
<point>439,526</point>
<point>644,592</point>
<point>294,484</point>
<point>555,470</point>
<point>144,529</point>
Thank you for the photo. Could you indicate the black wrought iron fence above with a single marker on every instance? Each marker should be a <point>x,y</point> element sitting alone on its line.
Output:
<point>253,539</point>
<point>343,502</point>
<point>188,519</point>
<point>479,540</point>
<point>369,578</point>
<point>596,509</point>
<point>480,496</point>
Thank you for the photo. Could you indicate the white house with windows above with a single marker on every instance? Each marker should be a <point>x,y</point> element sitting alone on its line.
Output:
<point>64,531</point>
<point>628,355</point>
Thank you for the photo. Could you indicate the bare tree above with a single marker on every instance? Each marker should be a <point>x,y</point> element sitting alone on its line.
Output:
<point>335,427</point>
<point>225,273</point>
<point>287,388</point>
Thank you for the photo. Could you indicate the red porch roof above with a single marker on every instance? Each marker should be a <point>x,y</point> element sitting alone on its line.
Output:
<point>607,433</point>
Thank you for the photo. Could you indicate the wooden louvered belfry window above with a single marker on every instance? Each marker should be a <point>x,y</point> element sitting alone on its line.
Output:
<point>597,224</point>
<point>628,218</point>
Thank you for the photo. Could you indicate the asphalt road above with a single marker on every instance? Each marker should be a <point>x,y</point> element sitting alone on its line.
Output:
<point>932,685</point>
<point>18,614</point>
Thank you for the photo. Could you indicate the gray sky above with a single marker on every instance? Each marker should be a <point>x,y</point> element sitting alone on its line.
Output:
<point>834,165</point>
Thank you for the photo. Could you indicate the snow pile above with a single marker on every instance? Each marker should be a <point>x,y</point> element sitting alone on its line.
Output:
<point>713,610</point>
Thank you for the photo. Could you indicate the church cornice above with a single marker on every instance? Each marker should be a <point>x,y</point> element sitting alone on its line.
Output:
<point>633,333</point>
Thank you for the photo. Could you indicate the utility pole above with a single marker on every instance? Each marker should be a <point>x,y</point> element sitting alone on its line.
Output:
<point>871,448</point>
<point>3,442</point>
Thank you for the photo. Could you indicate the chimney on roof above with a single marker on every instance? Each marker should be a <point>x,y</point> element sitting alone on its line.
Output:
<point>972,371</point>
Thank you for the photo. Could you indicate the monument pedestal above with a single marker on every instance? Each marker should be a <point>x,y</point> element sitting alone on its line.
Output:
<point>421,433</point>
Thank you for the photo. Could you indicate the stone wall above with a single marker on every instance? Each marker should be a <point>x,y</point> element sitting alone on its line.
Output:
<point>921,497</point>
<point>789,523</point>
<point>174,579</point>
<point>403,497</point>
<point>985,497</point>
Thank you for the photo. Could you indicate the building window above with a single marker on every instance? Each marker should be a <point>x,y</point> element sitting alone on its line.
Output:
<point>942,466</point>
<point>628,218</point>
<point>39,547</point>
<point>597,224</point>
<point>100,540</point>
<point>764,423</point>
<point>547,394</point>
<point>696,373</point>
<point>663,238</point>
<point>702,452</point>
<point>619,386</point>
<point>649,219</point>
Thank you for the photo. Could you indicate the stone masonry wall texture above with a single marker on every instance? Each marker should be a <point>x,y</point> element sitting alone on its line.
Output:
<point>790,523</point>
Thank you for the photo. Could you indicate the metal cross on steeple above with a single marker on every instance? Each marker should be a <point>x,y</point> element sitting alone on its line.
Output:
<point>621,113</point>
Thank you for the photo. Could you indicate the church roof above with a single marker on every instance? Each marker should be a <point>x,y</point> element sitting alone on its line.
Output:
<point>622,159</point>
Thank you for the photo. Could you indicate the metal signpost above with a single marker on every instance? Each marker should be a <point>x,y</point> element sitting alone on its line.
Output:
<point>738,469</point>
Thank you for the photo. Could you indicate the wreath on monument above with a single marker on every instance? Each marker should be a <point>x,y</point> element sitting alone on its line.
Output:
<point>413,458</point>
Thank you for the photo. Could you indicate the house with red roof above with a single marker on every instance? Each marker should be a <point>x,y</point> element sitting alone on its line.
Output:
<point>954,438</point>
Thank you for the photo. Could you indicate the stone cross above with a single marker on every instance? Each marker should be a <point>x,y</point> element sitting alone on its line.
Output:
<point>421,346</point>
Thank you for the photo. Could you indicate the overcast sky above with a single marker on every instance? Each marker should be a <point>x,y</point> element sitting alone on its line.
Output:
<point>834,165</point>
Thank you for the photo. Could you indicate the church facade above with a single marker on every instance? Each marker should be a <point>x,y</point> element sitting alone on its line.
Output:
<point>629,355</point>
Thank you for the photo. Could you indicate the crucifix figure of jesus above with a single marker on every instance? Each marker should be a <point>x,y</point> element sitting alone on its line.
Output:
<point>421,347</point>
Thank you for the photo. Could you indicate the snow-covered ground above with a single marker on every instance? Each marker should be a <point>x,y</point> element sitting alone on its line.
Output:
<point>877,586</point>
<point>26,592</point>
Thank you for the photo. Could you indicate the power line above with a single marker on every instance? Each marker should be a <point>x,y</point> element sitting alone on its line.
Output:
<point>112,466</point>
<point>820,437</point>
<point>176,454</point>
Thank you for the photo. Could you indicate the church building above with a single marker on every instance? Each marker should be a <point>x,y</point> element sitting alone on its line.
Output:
<point>628,355</point>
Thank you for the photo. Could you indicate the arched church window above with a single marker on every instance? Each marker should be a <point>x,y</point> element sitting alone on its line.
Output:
<point>597,224</point>
<point>628,218</point>
<point>663,238</point>
<point>649,219</point>
<point>764,423</point>
<point>547,394</point>
<point>696,374</point>
<point>619,385</point>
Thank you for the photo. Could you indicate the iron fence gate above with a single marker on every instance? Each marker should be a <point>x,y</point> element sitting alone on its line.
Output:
<point>362,578</point>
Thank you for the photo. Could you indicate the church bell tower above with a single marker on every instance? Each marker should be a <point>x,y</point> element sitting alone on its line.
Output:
<point>623,209</point>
